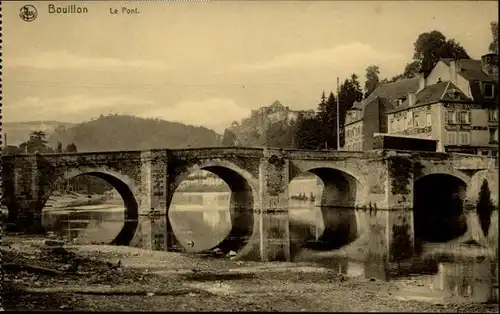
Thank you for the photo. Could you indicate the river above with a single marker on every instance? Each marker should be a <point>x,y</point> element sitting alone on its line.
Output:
<point>204,220</point>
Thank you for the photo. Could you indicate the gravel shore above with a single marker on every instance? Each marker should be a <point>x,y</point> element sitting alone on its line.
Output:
<point>111,278</point>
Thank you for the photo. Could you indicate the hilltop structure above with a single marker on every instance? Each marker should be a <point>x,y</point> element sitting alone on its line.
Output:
<point>260,119</point>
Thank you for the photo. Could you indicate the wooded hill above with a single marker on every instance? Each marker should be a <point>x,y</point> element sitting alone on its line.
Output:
<point>123,132</point>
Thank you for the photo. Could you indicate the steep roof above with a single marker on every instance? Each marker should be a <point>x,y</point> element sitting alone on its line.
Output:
<point>388,93</point>
<point>392,91</point>
<point>472,70</point>
<point>442,91</point>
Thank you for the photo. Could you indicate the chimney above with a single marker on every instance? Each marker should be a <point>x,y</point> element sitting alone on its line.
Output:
<point>489,63</point>
<point>411,99</point>
<point>422,81</point>
<point>453,71</point>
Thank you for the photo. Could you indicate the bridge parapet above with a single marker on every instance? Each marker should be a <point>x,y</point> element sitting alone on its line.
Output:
<point>472,162</point>
<point>322,155</point>
<point>218,152</point>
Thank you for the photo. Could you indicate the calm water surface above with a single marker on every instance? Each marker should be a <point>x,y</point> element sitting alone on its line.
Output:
<point>203,219</point>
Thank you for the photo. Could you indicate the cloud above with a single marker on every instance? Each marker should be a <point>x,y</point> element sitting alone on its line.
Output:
<point>65,60</point>
<point>72,108</point>
<point>214,113</point>
<point>341,57</point>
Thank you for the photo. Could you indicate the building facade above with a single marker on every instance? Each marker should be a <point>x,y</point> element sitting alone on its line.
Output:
<point>456,104</point>
<point>370,115</point>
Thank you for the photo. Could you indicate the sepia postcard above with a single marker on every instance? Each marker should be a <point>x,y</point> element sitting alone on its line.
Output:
<point>232,155</point>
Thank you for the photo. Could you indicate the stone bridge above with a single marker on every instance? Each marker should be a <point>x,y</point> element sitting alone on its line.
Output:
<point>369,194</point>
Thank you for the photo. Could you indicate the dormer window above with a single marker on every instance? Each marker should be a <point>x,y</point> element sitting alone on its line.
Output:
<point>489,90</point>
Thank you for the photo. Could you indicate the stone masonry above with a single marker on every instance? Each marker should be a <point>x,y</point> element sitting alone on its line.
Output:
<point>376,185</point>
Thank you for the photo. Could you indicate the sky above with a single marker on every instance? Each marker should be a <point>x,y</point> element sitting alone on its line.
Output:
<point>210,63</point>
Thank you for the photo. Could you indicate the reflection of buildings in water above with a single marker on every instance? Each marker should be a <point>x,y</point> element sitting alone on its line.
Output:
<point>201,198</point>
<point>91,225</point>
<point>472,280</point>
<point>202,180</point>
<point>307,186</point>
<point>215,219</point>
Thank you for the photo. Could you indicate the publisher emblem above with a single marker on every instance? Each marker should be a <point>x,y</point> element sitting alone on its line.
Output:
<point>28,13</point>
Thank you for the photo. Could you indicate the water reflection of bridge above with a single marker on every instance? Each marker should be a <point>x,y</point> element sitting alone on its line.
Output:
<point>367,196</point>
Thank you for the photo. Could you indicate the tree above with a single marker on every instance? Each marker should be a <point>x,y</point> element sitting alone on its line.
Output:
<point>494,32</point>
<point>59,148</point>
<point>432,46</point>
<point>428,49</point>
<point>36,143</point>
<point>372,79</point>
<point>484,207</point>
<point>229,138</point>
<point>308,133</point>
<point>322,104</point>
<point>412,69</point>
<point>327,116</point>
<point>71,148</point>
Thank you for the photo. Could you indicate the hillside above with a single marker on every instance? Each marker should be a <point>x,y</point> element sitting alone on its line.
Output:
<point>18,132</point>
<point>121,132</point>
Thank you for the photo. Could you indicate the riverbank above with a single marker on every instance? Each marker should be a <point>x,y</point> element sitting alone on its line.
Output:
<point>71,199</point>
<point>113,278</point>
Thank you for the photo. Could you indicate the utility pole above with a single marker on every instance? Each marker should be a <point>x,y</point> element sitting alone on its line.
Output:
<point>338,118</point>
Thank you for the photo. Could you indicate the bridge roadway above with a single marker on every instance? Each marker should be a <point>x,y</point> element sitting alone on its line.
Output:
<point>372,191</point>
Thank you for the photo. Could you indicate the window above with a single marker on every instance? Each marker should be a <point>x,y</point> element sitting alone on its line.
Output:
<point>464,117</point>
<point>489,90</point>
<point>451,117</point>
<point>409,121</point>
<point>464,138</point>
<point>428,119</point>
<point>451,138</point>
<point>493,135</point>
<point>492,114</point>
<point>416,123</point>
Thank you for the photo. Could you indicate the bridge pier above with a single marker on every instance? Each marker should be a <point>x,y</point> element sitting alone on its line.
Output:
<point>399,193</point>
<point>153,198</point>
<point>387,216</point>
<point>22,194</point>
<point>272,214</point>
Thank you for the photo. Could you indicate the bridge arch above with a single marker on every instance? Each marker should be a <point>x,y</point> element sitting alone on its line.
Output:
<point>442,170</point>
<point>335,224</point>
<point>123,184</point>
<point>244,189</point>
<point>438,206</point>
